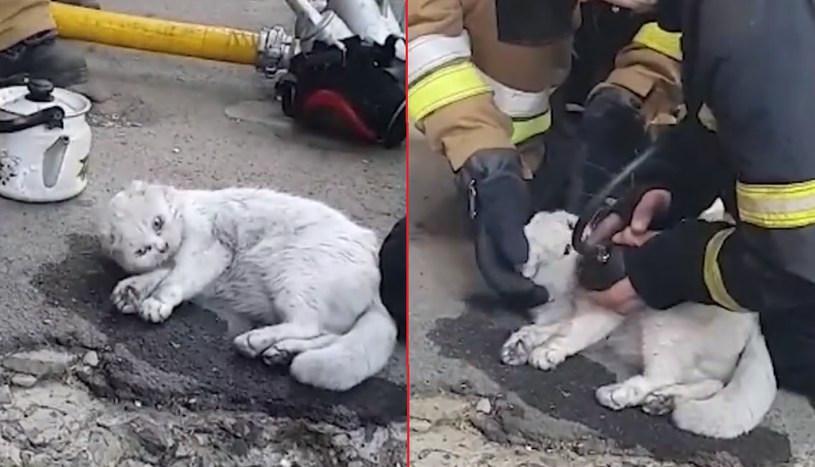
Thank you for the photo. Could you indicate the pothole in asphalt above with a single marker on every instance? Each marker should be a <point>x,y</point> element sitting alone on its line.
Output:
<point>568,393</point>
<point>192,345</point>
<point>120,111</point>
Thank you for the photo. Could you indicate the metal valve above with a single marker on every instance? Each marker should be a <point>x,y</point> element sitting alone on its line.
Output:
<point>275,48</point>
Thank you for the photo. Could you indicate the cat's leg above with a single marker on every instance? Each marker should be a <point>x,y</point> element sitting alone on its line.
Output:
<point>299,307</point>
<point>660,372</point>
<point>663,401</point>
<point>130,292</point>
<point>257,341</point>
<point>197,264</point>
<point>588,326</point>
<point>282,352</point>
<point>521,343</point>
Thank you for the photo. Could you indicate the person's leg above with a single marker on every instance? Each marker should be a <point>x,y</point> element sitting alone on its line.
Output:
<point>83,3</point>
<point>522,76</point>
<point>29,44</point>
<point>790,338</point>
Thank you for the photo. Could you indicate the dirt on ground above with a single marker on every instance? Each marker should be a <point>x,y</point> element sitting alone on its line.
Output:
<point>49,418</point>
<point>455,431</point>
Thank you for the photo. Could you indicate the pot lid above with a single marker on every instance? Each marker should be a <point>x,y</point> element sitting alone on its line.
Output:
<point>41,94</point>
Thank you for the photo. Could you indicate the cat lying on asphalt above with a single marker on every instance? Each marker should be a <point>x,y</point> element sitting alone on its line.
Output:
<point>708,366</point>
<point>300,269</point>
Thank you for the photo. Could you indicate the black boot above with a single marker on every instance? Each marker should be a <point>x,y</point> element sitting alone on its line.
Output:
<point>43,56</point>
<point>393,268</point>
<point>83,3</point>
<point>499,207</point>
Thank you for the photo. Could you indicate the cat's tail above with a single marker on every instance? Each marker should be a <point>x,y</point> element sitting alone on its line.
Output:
<point>356,356</point>
<point>741,405</point>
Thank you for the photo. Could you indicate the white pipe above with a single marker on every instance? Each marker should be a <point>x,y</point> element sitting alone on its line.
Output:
<point>365,19</point>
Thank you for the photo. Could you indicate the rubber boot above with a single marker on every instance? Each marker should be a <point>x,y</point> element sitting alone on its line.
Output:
<point>499,207</point>
<point>83,3</point>
<point>42,56</point>
<point>393,269</point>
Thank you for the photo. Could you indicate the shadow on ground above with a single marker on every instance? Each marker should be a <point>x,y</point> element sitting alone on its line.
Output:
<point>568,393</point>
<point>191,344</point>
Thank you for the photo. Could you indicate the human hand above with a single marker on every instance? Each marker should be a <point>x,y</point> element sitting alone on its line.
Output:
<point>501,250</point>
<point>500,207</point>
<point>651,204</point>
<point>620,298</point>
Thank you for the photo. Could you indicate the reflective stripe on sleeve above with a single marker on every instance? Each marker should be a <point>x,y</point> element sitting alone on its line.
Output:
<point>444,86</point>
<point>777,206</point>
<point>433,51</point>
<point>529,111</point>
<point>713,274</point>
<point>667,43</point>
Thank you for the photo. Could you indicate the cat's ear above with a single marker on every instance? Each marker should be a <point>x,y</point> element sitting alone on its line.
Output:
<point>104,234</point>
<point>137,186</point>
<point>167,191</point>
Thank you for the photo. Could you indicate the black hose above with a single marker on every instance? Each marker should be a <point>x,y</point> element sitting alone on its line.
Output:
<point>599,199</point>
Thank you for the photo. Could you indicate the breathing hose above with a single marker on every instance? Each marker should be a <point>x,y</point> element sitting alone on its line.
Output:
<point>599,251</point>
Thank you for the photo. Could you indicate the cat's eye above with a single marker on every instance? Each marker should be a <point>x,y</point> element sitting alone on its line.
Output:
<point>158,223</point>
<point>142,251</point>
<point>567,250</point>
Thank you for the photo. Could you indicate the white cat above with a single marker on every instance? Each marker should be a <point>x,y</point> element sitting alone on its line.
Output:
<point>707,365</point>
<point>300,269</point>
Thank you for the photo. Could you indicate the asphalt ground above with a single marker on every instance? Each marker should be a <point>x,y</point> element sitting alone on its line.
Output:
<point>173,120</point>
<point>457,329</point>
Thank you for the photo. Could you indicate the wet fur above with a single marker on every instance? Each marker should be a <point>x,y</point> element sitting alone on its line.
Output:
<point>296,280</point>
<point>707,366</point>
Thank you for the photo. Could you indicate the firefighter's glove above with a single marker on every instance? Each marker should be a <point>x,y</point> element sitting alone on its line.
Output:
<point>499,207</point>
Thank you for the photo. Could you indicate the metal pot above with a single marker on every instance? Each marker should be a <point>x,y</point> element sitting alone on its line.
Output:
<point>45,141</point>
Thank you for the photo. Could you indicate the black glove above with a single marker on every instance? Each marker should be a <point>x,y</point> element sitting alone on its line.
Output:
<point>610,133</point>
<point>499,206</point>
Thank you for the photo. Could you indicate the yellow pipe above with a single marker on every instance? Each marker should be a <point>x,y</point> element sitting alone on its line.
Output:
<point>156,35</point>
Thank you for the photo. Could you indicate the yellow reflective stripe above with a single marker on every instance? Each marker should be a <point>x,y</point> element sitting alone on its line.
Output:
<point>656,38</point>
<point>713,275</point>
<point>443,87</point>
<point>782,206</point>
<point>523,129</point>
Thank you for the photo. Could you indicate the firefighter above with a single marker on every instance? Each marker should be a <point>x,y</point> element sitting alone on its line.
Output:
<point>479,80</point>
<point>29,44</point>
<point>747,138</point>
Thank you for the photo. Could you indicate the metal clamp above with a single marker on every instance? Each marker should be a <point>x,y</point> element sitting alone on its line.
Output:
<point>276,47</point>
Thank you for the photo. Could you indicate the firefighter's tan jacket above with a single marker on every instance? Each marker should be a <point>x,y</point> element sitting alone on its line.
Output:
<point>467,90</point>
<point>21,19</point>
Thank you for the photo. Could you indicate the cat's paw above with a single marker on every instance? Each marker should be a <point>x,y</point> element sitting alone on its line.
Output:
<point>248,344</point>
<point>547,357</point>
<point>521,343</point>
<point>277,355</point>
<point>658,404</point>
<point>154,310</point>
<point>126,297</point>
<point>514,351</point>
<point>618,396</point>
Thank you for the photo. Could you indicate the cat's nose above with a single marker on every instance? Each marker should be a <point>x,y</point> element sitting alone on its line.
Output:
<point>162,247</point>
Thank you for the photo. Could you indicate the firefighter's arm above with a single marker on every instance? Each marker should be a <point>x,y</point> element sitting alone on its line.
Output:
<point>761,101</point>
<point>649,68</point>
<point>448,100</point>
